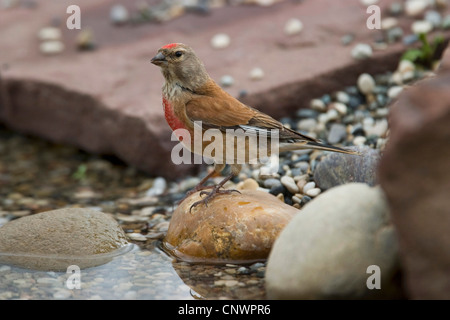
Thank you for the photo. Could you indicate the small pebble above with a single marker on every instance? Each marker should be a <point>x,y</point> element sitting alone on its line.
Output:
<point>394,91</point>
<point>249,184</point>
<point>347,39</point>
<point>49,33</point>
<point>313,192</point>
<point>434,18</point>
<point>85,40</point>
<point>256,74</point>
<point>366,83</point>
<point>394,34</point>
<point>337,133</point>
<point>415,7</point>
<point>369,2</point>
<point>340,107</point>
<point>396,8</point>
<point>410,39</point>
<point>362,51</point>
<point>307,125</point>
<point>226,81</point>
<point>359,140</point>
<point>119,14</point>
<point>342,97</point>
<point>220,41</point>
<point>389,23</point>
<point>317,104</point>
<point>308,186</point>
<point>51,47</point>
<point>290,184</point>
<point>293,27</point>
<point>158,188</point>
<point>137,236</point>
<point>421,26</point>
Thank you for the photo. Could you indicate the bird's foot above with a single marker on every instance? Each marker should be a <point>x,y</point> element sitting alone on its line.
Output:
<point>209,195</point>
<point>194,190</point>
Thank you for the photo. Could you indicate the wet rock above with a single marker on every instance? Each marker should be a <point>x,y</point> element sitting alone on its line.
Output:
<point>416,162</point>
<point>337,168</point>
<point>325,251</point>
<point>55,239</point>
<point>235,227</point>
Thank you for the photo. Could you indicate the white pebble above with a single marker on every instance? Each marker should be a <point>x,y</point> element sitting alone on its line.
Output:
<point>220,41</point>
<point>342,97</point>
<point>226,81</point>
<point>362,51</point>
<point>394,91</point>
<point>340,107</point>
<point>389,23</point>
<point>405,66</point>
<point>421,26</point>
<point>369,2</point>
<point>323,118</point>
<point>359,140</point>
<point>51,47</point>
<point>293,26</point>
<point>265,3</point>
<point>332,114</point>
<point>308,186</point>
<point>290,184</point>
<point>49,33</point>
<point>119,14</point>
<point>415,7</point>
<point>136,236</point>
<point>256,74</point>
<point>366,83</point>
<point>318,105</point>
<point>313,192</point>
<point>308,124</point>
<point>158,188</point>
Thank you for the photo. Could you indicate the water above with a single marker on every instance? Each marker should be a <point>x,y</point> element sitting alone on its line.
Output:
<point>140,273</point>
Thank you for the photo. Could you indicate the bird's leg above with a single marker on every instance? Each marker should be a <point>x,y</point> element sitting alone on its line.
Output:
<point>200,186</point>
<point>215,191</point>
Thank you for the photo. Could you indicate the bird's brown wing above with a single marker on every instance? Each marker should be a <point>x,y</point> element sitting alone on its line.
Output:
<point>225,112</point>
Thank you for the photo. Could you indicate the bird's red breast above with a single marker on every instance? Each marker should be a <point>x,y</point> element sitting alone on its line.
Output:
<point>171,118</point>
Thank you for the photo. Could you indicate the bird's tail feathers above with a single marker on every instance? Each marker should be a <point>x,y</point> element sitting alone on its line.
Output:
<point>316,146</point>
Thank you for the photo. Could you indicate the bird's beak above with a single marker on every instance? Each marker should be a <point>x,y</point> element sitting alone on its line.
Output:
<point>159,59</point>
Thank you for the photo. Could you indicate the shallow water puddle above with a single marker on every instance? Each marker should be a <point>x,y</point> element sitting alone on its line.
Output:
<point>145,272</point>
<point>137,274</point>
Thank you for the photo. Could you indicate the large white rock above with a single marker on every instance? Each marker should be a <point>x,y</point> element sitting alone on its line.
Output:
<point>325,250</point>
<point>56,239</point>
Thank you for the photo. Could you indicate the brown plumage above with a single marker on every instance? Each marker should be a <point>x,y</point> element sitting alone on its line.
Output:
<point>189,94</point>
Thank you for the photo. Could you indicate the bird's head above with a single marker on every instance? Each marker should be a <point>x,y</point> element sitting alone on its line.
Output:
<point>180,64</point>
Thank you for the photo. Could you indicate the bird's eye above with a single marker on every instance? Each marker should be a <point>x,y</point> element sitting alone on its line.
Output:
<point>178,54</point>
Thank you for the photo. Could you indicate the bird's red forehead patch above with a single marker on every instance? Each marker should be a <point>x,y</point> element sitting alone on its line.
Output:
<point>169,46</point>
